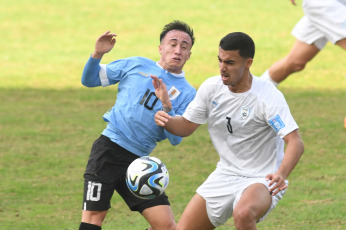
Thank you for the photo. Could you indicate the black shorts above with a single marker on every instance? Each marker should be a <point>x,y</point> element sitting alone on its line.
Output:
<point>105,172</point>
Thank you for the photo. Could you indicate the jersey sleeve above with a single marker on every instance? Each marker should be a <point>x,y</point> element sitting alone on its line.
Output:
<point>279,117</point>
<point>197,110</point>
<point>90,76</point>
<point>96,74</point>
<point>183,106</point>
<point>113,72</point>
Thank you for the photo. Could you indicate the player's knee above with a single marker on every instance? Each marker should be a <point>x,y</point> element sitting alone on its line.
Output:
<point>94,217</point>
<point>243,217</point>
<point>167,225</point>
<point>296,65</point>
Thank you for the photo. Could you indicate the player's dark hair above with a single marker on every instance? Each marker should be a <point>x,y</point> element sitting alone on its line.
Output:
<point>177,25</point>
<point>239,41</point>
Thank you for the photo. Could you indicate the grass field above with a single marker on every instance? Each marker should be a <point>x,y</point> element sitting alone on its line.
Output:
<point>48,121</point>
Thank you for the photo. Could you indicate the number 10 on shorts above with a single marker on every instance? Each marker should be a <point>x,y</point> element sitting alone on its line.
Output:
<point>94,191</point>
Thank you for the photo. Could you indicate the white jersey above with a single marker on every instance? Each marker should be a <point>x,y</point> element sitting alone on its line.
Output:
<point>247,128</point>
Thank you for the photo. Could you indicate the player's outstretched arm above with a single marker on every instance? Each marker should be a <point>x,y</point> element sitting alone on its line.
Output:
<point>293,152</point>
<point>104,44</point>
<point>176,125</point>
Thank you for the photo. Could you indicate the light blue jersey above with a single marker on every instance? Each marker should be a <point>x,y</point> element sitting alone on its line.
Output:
<point>131,120</point>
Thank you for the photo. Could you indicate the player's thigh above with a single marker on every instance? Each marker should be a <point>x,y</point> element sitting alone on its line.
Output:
<point>255,200</point>
<point>160,217</point>
<point>302,52</point>
<point>195,216</point>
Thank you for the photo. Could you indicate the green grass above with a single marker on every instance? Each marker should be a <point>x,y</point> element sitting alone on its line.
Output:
<point>48,121</point>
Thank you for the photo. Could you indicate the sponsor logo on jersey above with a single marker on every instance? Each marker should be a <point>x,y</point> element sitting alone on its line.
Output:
<point>215,103</point>
<point>244,113</point>
<point>173,93</point>
<point>276,123</point>
<point>144,74</point>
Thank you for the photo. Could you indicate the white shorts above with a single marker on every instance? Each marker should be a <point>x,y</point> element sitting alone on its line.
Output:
<point>222,193</point>
<point>324,20</point>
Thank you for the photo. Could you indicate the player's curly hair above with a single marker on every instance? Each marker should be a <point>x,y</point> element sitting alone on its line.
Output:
<point>177,25</point>
<point>239,41</point>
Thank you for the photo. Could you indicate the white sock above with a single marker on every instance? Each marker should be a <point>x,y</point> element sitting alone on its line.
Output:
<point>266,76</point>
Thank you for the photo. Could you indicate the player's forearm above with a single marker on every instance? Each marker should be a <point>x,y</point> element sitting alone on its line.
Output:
<point>179,126</point>
<point>90,76</point>
<point>293,152</point>
<point>166,106</point>
<point>97,55</point>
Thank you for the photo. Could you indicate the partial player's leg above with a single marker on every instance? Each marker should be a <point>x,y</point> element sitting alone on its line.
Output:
<point>252,206</point>
<point>93,217</point>
<point>160,217</point>
<point>300,54</point>
<point>342,43</point>
<point>106,166</point>
<point>195,216</point>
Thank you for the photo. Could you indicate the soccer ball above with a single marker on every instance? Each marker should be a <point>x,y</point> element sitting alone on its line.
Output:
<point>147,177</point>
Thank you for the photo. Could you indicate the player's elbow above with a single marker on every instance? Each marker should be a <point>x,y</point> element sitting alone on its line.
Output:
<point>85,83</point>
<point>301,146</point>
<point>176,140</point>
<point>88,84</point>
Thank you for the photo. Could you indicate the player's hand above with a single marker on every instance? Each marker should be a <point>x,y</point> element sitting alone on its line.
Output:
<point>293,2</point>
<point>104,44</point>
<point>161,118</point>
<point>161,91</point>
<point>277,183</point>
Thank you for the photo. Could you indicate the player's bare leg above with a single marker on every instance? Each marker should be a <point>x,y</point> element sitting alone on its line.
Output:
<point>195,216</point>
<point>342,43</point>
<point>252,206</point>
<point>93,217</point>
<point>300,54</point>
<point>160,217</point>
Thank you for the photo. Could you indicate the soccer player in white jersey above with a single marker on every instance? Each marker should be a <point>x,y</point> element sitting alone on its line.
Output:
<point>249,122</point>
<point>131,131</point>
<point>323,21</point>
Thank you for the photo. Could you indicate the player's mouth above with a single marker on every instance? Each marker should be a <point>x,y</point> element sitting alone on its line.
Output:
<point>176,59</point>
<point>224,77</point>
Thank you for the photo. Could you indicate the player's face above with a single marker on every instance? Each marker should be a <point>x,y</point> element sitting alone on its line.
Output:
<point>175,50</point>
<point>234,69</point>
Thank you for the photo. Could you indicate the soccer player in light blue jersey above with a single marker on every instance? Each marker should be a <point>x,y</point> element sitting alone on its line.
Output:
<point>131,131</point>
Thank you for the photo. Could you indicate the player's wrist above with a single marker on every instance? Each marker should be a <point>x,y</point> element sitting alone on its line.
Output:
<point>166,109</point>
<point>97,55</point>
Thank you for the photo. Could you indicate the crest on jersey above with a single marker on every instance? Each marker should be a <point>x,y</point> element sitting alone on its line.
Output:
<point>173,93</point>
<point>245,112</point>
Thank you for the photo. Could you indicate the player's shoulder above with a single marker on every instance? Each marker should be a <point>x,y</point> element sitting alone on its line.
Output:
<point>132,61</point>
<point>213,81</point>
<point>266,91</point>
<point>139,59</point>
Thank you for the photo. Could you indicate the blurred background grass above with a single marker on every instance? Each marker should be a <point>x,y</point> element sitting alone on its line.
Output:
<point>46,43</point>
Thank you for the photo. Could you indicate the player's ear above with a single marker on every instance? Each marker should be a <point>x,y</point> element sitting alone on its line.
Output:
<point>188,57</point>
<point>160,49</point>
<point>249,62</point>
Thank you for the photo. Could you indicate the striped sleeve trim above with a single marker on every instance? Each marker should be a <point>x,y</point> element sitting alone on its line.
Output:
<point>103,75</point>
